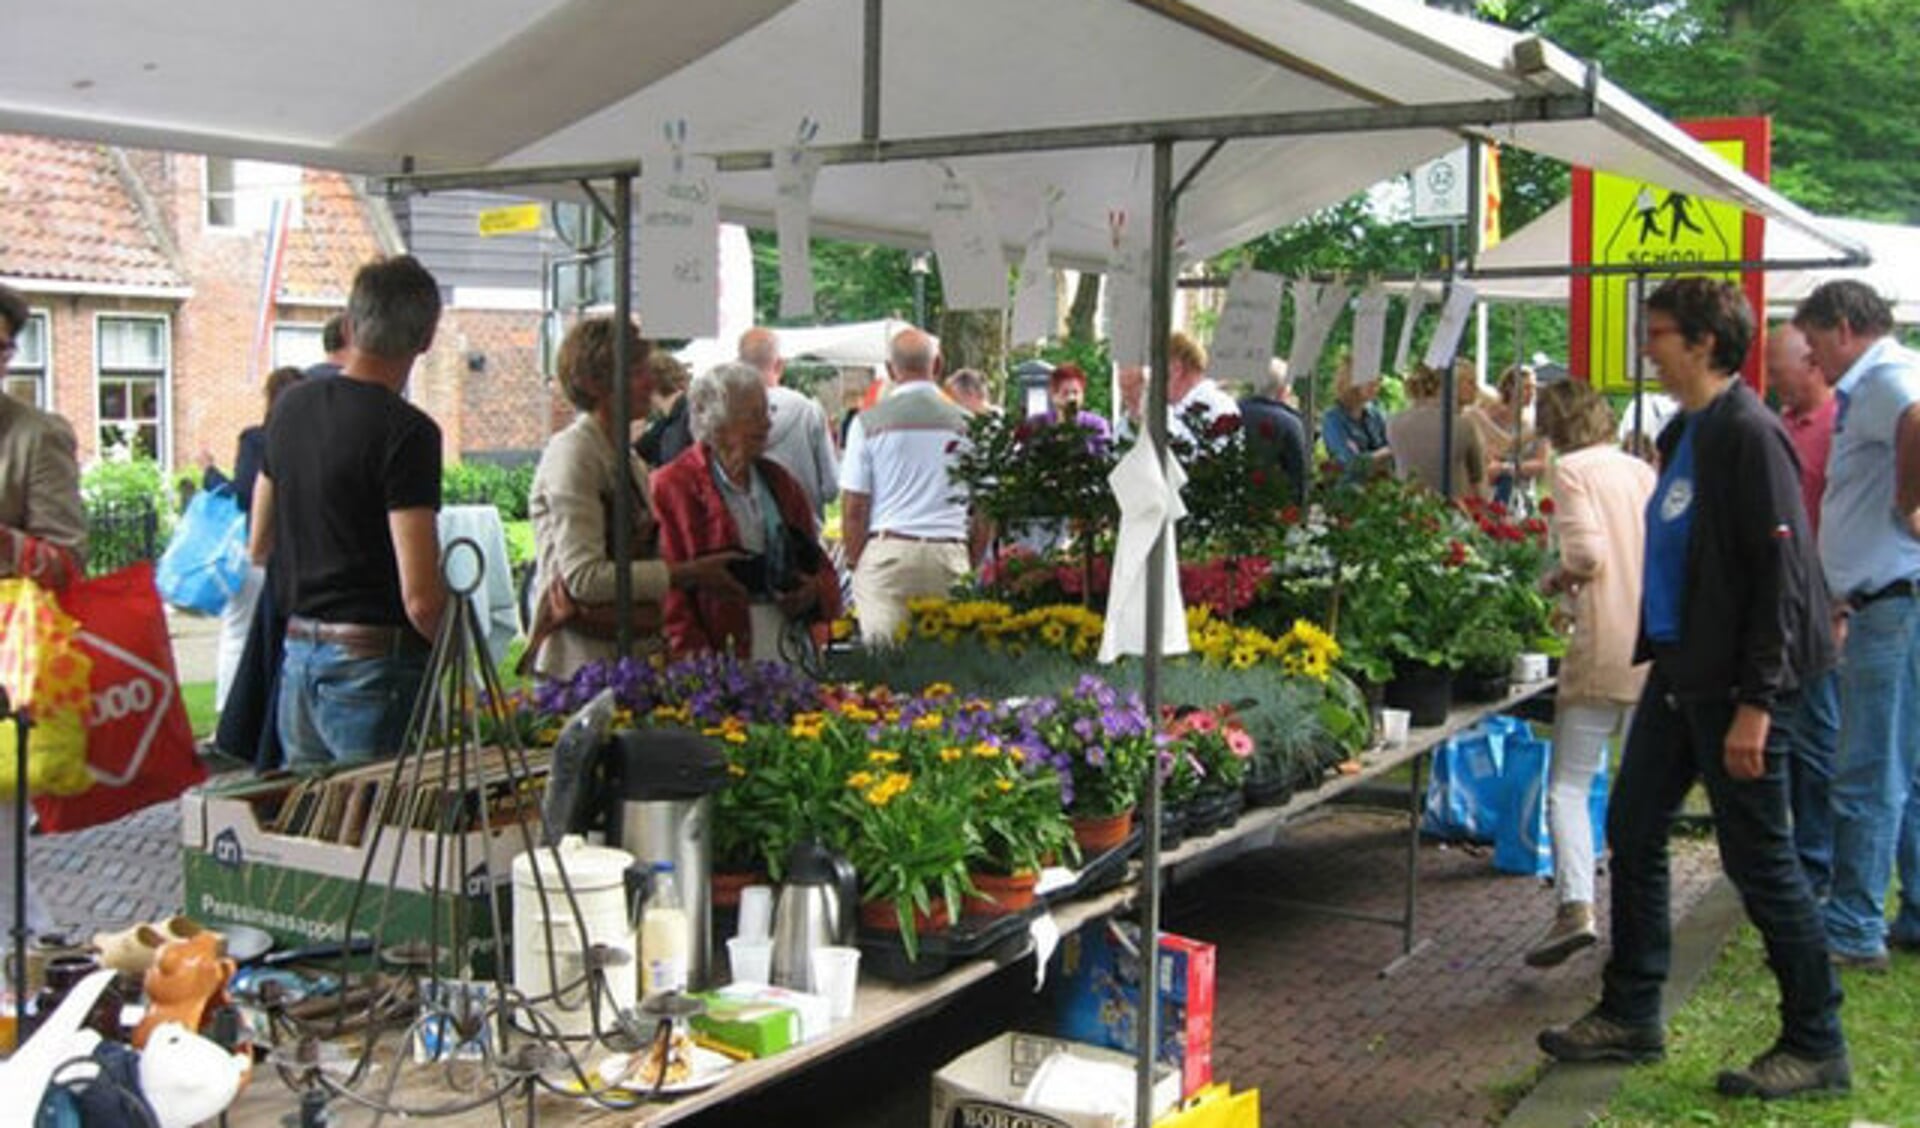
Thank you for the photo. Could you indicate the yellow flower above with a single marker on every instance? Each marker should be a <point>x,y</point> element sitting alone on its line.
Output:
<point>1054,633</point>
<point>949,755</point>
<point>938,689</point>
<point>860,779</point>
<point>927,722</point>
<point>735,736</point>
<point>1243,657</point>
<point>889,787</point>
<point>736,771</point>
<point>881,756</point>
<point>986,751</point>
<point>1004,785</point>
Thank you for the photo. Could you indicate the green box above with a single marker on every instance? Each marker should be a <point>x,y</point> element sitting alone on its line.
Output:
<point>299,890</point>
<point>751,1026</point>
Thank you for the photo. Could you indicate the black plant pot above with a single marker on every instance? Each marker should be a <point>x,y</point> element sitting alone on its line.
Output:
<point>1214,810</point>
<point>1480,688</point>
<point>1173,824</point>
<point>1272,788</point>
<point>1422,690</point>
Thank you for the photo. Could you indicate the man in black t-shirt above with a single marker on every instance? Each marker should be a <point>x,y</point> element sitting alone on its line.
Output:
<point>347,497</point>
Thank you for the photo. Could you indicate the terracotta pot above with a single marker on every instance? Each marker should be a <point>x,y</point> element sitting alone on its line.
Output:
<point>881,916</point>
<point>727,886</point>
<point>1000,894</point>
<point>1098,834</point>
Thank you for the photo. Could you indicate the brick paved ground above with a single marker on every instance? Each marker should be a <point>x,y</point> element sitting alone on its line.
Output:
<point>1302,1014</point>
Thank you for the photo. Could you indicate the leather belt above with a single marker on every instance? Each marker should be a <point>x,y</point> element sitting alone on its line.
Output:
<point>1898,589</point>
<point>889,534</point>
<point>359,640</point>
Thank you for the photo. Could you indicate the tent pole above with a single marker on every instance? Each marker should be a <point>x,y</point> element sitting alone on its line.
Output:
<point>1160,327</point>
<point>870,74</point>
<point>1446,373</point>
<point>623,499</point>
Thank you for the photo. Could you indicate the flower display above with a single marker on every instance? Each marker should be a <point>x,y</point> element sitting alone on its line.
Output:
<point>1217,744</point>
<point>1099,740</point>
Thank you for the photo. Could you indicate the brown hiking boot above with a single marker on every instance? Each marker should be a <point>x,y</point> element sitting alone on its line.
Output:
<point>1779,1073</point>
<point>1595,1037</point>
<point>1572,930</point>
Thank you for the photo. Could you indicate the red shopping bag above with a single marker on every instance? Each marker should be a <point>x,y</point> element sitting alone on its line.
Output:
<point>139,744</point>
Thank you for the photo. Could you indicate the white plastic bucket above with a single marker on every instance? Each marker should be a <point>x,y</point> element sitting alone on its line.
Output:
<point>597,875</point>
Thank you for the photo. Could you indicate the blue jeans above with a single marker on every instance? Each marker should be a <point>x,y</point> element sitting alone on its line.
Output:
<point>1809,737</point>
<point>1876,805</point>
<point>1670,745</point>
<point>336,709</point>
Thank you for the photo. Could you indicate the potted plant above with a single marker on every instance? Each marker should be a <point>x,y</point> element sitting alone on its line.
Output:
<point>1223,752</point>
<point>1100,742</point>
<point>910,842</point>
<point>1019,824</point>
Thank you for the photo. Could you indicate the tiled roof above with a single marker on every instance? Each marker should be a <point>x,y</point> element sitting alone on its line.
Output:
<point>334,238</point>
<point>65,216</point>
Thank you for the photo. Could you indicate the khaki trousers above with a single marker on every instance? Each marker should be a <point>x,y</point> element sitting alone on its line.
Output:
<point>893,571</point>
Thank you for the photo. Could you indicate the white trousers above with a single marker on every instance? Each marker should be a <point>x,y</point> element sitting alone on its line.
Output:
<point>235,623</point>
<point>1580,733</point>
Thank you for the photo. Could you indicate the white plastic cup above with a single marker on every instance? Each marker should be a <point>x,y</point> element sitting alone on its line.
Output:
<point>836,972</point>
<point>756,912</point>
<point>1529,667</point>
<point>751,960</point>
<point>1393,727</point>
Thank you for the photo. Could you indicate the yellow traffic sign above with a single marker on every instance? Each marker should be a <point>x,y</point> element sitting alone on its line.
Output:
<point>1637,223</point>
<point>512,219</point>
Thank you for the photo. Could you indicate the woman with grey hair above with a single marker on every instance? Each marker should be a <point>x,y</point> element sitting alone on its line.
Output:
<point>723,495</point>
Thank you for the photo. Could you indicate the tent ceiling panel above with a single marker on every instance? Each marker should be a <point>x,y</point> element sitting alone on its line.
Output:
<point>515,83</point>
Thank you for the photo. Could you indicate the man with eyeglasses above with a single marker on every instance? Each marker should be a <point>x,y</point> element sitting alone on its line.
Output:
<point>43,534</point>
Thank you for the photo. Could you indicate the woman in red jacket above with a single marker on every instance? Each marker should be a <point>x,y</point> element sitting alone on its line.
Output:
<point>720,495</point>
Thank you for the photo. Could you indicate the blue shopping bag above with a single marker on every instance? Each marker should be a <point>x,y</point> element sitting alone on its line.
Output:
<point>206,561</point>
<point>1521,843</point>
<point>1463,795</point>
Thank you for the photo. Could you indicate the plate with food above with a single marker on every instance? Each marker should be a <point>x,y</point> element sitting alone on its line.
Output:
<point>689,1068</point>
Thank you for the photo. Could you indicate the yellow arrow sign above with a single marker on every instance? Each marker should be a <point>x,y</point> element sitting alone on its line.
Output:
<point>512,219</point>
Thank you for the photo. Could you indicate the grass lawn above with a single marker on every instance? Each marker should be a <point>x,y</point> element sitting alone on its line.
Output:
<point>1734,1017</point>
<point>198,698</point>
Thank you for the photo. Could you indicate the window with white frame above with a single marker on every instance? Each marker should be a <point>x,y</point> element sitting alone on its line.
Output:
<point>131,380</point>
<point>27,373</point>
<point>241,194</point>
<point>297,344</point>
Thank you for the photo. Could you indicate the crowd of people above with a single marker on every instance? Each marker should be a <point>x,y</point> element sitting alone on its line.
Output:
<point>1744,597</point>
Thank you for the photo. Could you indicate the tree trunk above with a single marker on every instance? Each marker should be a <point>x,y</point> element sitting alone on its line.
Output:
<point>975,339</point>
<point>1086,300</point>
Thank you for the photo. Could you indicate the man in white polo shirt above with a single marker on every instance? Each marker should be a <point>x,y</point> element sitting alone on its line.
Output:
<point>903,522</point>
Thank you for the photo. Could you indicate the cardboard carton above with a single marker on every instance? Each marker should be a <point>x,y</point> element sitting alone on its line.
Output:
<point>983,1088</point>
<point>1097,981</point>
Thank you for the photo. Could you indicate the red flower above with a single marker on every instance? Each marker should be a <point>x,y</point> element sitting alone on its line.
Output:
<point>1259,478</point>
<point>1535,526</point>
<point>1023,432</point>
<point>1223,425</point>
<point>1456,554</point>
<point>1546,506</point>
<point>1497,509</point>
<point>1290,515</point>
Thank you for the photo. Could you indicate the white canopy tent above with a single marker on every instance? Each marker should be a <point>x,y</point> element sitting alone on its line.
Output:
<point>1543,245</point>
<point>1352,91</point>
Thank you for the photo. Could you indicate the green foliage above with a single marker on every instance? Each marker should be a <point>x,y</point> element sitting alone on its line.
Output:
<point>130,512</point>
<point>506,488</point>
<point>851,282</point>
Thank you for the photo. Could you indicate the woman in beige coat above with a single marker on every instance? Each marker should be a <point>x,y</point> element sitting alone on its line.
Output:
<point>1599,517</point>
<point>572,504</point>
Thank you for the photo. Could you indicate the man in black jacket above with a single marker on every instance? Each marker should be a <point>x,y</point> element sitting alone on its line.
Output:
<point>1733,618</point>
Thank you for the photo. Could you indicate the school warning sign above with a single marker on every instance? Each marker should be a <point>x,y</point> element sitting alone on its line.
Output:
<point>1661,232</point>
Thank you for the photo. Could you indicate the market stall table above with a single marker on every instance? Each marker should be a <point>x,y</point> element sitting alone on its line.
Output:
<point>882,1006</point>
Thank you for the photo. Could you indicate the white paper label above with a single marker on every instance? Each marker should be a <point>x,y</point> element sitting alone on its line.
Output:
<point>1315,306</point>
<point>1369,333</point>
<point>677,243</point>
<point>1453,323</point>
<point>795,170</point>
<point>1243,341</point>
<point>973,272</point>
<point>1036,300</point>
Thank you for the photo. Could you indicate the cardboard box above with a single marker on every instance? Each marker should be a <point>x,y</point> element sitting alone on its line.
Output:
<point>1097,981</point>
<point>982,1088</point>
<point>299,889</point>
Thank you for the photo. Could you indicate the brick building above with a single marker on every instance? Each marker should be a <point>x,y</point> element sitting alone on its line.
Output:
<point>145,273</point>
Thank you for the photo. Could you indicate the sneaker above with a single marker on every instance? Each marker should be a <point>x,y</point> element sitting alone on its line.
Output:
<point>1876,963</point>
<point>1572,930</point>
<point>1595,1037</point>
<point>1779,1073</point>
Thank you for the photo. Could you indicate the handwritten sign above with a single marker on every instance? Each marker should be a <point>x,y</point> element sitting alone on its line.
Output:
<point>973,271</point>
<point>1417,299</point>
<point>677,243</point>
<point>1129,297</point>
<point>1369,333</point>
<point>1243,341</point>
<point>795,170</point>
<point>1315,308</point>
<point>1036,298</point>
<point>1453,323</point>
